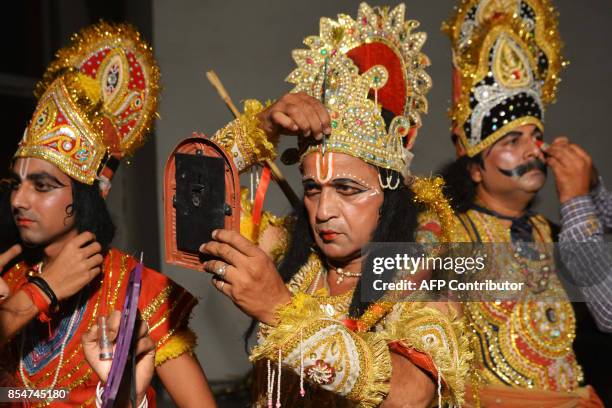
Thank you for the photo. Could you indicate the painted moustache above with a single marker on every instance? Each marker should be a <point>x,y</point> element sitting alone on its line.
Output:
<point>520,170</point>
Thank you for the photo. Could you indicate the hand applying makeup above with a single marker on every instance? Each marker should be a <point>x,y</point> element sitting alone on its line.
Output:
<point>573,167</point>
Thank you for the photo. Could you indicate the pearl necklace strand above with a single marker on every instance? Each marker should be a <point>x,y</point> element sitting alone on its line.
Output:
<point>345,274</point>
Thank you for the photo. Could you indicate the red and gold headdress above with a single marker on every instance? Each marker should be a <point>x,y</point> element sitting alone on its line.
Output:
<point>506,58</point>
<point>360,69</point>
<point>97,101</point>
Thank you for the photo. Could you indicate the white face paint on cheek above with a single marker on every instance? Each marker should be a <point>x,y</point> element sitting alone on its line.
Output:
<point>507,160</point>
<point>372,189</point>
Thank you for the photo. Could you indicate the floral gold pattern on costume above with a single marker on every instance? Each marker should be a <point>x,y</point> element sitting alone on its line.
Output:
<point>361,364</point>
<point>244,140</point>
<point>338,65</point>
<point>437,333</point>
<point>506,56</point>
<point>356,365</point>
<point>320,373</point>
<point>112,81</point>
<point>525,343</point>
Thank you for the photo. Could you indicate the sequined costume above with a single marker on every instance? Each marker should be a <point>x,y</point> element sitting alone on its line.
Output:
<point>164,305</point>
<point>97,101</point>
<point>506,58</point>
<point>359,64</point>
<point>524,343</point>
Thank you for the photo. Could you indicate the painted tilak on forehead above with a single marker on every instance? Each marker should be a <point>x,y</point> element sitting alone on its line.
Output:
<point>325,173</point>
<point>23,167</point>
<point>324,166</point>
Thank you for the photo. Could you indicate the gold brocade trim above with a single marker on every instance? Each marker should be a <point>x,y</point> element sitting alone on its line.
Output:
<point>374,383</point>
<point>248,230</point>
<point>118,39</point>
<point>428,191</point>
<point>156,303</point>
<point>304,315</point>
<point>122,272</point>
<point>260,145</point>
<point>302,280</point>
<point>182,342</point>
<point>500,359</point>
<point>247,137</point>
<point>170,310</point>
<point>184,312</point>
<point>443,336</point>
<point>374,313</point>
<point>229,138</point>
<point>498,134</point>
<point>299,314</point>
<point>305,277</point>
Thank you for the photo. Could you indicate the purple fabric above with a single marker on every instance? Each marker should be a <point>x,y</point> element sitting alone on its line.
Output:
<point>124,338</point>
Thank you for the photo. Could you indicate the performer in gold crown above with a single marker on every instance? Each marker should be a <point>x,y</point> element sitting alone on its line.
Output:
<point>361,82</point>
<point>506,59</point>
<point>97,101</point>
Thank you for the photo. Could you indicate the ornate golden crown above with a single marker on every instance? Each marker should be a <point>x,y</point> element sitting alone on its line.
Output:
<point>97,102</point>
<point>506,57</point>
<point>359,67</point>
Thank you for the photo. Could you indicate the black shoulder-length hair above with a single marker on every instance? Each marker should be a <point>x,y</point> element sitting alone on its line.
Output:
<point>459,188</point>
<point>88,209</point>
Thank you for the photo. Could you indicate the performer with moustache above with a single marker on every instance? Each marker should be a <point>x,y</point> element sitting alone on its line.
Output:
<point>96,103</point>
<point>506,58</point>
<point>319,342</point>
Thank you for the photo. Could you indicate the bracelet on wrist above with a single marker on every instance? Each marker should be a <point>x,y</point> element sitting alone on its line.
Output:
<point>46,289</point>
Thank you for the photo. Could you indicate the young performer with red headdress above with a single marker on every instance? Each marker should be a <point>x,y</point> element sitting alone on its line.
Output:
<point>97,101</point>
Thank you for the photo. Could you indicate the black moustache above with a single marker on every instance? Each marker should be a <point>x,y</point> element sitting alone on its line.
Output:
<point>520,170</point>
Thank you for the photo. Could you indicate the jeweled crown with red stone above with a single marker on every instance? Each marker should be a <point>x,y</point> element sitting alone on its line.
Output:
<point>360,67</point>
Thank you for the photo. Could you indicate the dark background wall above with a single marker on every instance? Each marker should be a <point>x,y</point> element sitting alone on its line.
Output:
<point>249,45</point>
<point>35,30</point>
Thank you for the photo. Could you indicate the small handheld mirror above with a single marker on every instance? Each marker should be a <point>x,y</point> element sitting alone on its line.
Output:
<point>201,194</point>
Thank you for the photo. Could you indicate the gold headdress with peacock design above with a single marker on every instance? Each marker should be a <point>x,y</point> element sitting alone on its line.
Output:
<point>97,101</point>
<point>506,58</point>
